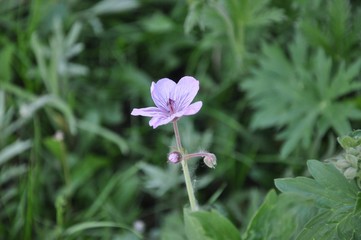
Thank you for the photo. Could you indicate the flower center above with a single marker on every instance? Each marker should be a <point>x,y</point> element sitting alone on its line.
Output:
<point>171,105</point>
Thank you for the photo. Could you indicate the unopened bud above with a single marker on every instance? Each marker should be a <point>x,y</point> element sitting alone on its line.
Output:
<point>350,173</point>
<point>175,157</point>
<point>352,160</point>
<point>353,151</point>
<point>342,164</point>
<point>210,160</point>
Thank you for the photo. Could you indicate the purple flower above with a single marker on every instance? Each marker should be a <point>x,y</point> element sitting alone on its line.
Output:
<point>172,100</point>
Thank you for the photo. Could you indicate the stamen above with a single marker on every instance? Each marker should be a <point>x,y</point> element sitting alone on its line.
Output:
<point>170,104</point>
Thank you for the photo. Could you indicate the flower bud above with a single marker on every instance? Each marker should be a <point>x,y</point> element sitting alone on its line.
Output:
<point>210,160</point>
<point>350,173</point>
<point>353,151</point>
<point>174,157</point>
<point>342,164</point>
<point>352,160</point>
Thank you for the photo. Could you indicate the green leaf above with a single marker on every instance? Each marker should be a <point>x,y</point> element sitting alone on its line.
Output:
<point>329,177</point>
<point>12,172</point>
<point>114,6</point>
<point>257,220</point>
<point>315,228</point>
<point>201,225</point>
<point>172,227</point>
<point>105,133</point>
<point>332,225</point>
<point>302,93</point>
<point>6,56</point>
<point>328,188</point>
<point>336,31</point>
<point>96,224</point>
<point>298,132</point>
<point>108,189</point>
<point>270,221</point>
<point>301,185</point>
<point>358,203</point>
<point>53,101</point>
<point>159,180</point>
<point>194,16</point>
<point>13,150</point>
<point>158,23</point>
<point>56,147</point>
<point>336,198</point>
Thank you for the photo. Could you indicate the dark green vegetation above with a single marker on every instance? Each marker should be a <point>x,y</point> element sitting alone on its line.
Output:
<point>279,81</point>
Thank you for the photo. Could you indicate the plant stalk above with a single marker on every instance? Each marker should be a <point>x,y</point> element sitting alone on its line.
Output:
<point>187,177</point>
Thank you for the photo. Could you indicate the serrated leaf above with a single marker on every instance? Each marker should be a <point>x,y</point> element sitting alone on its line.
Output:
<point>159,181</point>
<point>329,177</point>
<point>329,187</point>
<point>298,133</point>
<point>314,228</point>
<point>301,185</point>
<point>335,197</point>
<point>290,94</point>
<point>332,225</point>
<point>201,225</point>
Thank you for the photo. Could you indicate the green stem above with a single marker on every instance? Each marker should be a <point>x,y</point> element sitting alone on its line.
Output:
<point>187,177</point>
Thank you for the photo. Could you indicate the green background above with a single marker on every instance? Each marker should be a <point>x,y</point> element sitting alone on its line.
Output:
<point>279,80</point>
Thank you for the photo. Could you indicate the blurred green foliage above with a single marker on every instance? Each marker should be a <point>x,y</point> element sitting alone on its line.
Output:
<point>279,80</point>
<point>307,86</point>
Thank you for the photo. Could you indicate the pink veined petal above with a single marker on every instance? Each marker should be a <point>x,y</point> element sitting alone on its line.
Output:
<point>190,110</point>
<point>185,91</point>
<point>161,92</point>
<point>193,108</point>
<point>157,121</point>
<point>147,112</point>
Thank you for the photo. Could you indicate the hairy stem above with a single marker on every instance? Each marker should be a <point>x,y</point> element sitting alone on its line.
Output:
<point>187,177</point>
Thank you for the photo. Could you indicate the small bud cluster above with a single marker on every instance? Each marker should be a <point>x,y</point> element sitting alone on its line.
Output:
<point>349,163</point>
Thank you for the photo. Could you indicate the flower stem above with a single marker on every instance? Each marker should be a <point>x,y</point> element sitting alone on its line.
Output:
<point>187,177</point>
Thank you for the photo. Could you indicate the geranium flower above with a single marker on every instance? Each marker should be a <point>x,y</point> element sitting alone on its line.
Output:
<point>172,100</point>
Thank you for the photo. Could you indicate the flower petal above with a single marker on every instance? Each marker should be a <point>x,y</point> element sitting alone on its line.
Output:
<point>193,108</point>
<point>147,112</point>
<point>157,121</point>
<point>161,92</point>
<point>185,91</point>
